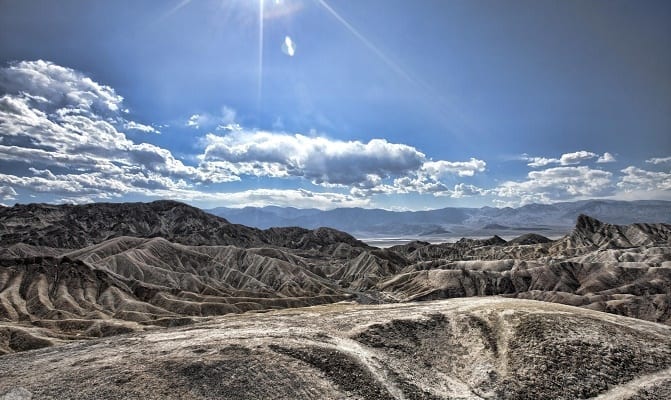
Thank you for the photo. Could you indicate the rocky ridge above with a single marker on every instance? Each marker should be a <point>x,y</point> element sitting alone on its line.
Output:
<point>77,226</point>
<point>69,272</point>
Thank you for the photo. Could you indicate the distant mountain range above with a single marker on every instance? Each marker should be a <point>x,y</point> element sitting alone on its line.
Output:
<point>553,219</point>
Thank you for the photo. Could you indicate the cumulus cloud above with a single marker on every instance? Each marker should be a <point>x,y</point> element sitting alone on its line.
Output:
<point>658,160</point>
<point>50,111</point>
<point>194,121</point>
<point>558,183</point>
<point>285,198</point>
<point>67,132</point>
<point>132,125</point>
<point>52,116</point>
<point>637,179</point>
<point>318,159</point>
<point>536,162</point>
<point>606,158</point>
<point>576,157</point>
<point>418,184</point>
<point>225,120</point>
<point>367,168</point>
<point>465,190</point>
<point>93,183</point>
<point>62,88</point>
<point>41,133</point>
<point>566,159</point>
<point>438,169</point>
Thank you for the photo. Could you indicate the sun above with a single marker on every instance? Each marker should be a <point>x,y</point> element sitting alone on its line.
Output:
<point>258,12</point>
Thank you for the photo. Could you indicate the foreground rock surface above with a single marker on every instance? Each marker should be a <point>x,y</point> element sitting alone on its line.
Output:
<point>470,348</point>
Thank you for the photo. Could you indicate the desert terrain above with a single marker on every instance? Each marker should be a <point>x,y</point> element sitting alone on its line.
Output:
<point>467,348</point>
<point>163,300</point>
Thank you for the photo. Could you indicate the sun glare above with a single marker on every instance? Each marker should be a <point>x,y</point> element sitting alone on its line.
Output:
<point>288,47</point>
<point>260,69</point>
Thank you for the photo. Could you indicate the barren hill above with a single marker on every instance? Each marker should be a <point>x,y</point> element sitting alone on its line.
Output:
<point>475,348</point>
<point>76,226</point>
<point>71,272</point>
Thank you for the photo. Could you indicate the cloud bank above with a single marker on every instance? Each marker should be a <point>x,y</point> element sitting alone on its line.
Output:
<point>64,136</point>
<point>576,157</point>
<point>54,118</point>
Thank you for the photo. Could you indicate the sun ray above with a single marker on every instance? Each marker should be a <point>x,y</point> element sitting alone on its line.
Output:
<point>390,63</point>
<point>260,69</point>
<point>173,10</point>
<point>446,104</point>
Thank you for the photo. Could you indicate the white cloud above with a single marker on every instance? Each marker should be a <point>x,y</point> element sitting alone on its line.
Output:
<point>565,159</point>
<point>438,169</point>
<point>57,117</point>
<point>60,159</point>
<point>42,172</point>
<point>69,184</point>
<point>637,179</point>
<point>195,120</point>
<point>558,183</point>
<point>372,168</point>
<point>606,158</point>
<point>65,132</point>
<point>63,88</point>
<point>319,159</point>
<point>77,200</point>
<point>73,124</point>
<point>229,127</point>
<point>140,127</point>
<point>540,161</point>
<point>658,160</point>
<point>464,190</point>
<point>280,197</point>
<point>226,120</point>
<point>576,157</point>
<point>94,184</point>
<point>418,184</point>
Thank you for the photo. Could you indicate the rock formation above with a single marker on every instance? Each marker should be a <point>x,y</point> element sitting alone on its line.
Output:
<point>70,272</point>
<point>470,348</point>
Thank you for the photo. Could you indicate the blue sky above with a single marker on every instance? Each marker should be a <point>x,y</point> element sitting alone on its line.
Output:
<point>326,103</point>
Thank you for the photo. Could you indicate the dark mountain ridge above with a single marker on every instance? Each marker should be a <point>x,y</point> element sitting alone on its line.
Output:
<point>76,226</point>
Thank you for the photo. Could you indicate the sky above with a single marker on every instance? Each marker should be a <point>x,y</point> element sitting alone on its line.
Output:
<point>335,103</point>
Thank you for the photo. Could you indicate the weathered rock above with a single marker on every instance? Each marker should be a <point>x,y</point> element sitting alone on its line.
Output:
<point>473,348</point>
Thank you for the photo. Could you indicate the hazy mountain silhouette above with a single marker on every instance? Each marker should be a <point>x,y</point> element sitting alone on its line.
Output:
<point>558,217</point>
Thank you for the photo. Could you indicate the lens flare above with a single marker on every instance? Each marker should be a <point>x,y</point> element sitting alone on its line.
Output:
<point>289,46</point>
